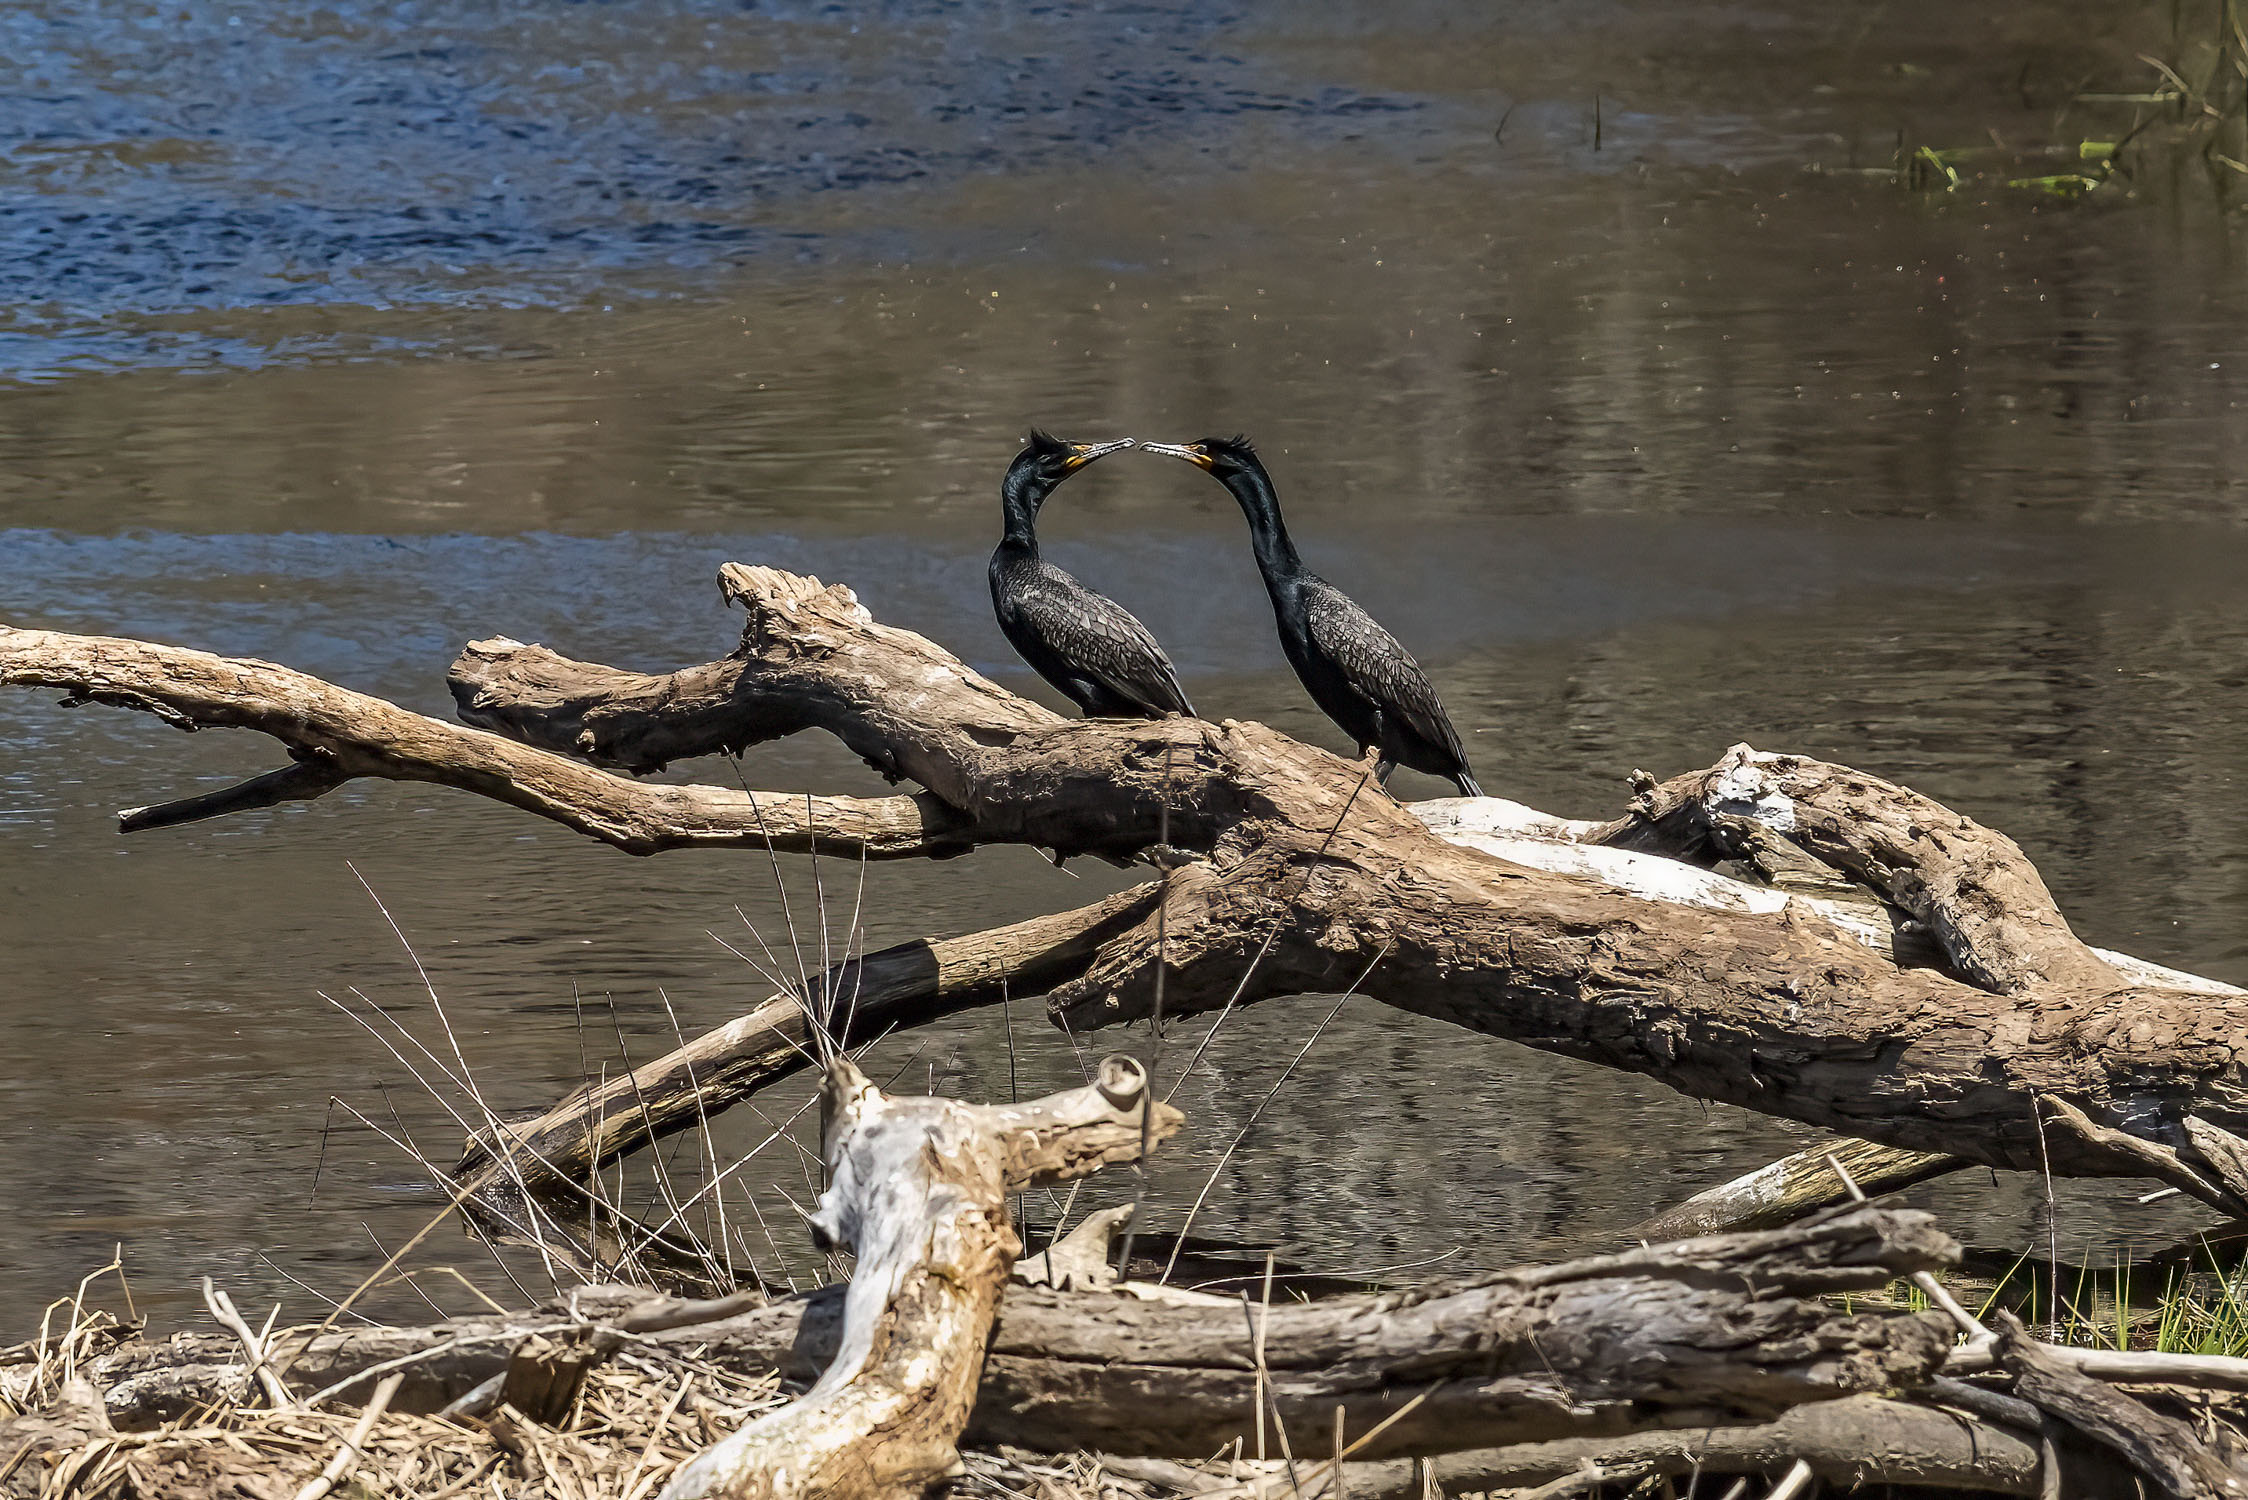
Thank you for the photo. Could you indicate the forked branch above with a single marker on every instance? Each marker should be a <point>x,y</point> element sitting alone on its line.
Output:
<point>336,735</point>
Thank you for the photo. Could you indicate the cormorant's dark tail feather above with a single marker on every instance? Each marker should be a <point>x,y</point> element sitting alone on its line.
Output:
<point>1468,788</point>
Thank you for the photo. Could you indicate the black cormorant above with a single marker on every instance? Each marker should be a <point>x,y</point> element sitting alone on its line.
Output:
<point>1087,645</point>
<point>1353,669</point>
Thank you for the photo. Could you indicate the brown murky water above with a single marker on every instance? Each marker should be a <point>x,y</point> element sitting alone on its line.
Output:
<point>342,336</point>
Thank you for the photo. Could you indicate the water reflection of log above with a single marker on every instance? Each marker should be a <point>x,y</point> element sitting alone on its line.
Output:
<point>1288,872</point>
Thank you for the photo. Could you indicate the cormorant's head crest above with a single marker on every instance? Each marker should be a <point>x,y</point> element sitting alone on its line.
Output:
<point>1055,459</point>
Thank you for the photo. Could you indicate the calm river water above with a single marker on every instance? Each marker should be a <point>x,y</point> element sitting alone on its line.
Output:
<point>339,334</point>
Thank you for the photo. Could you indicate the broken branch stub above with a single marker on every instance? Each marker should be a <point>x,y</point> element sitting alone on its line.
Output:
<point>918,1192</point>
<point>1794,1186</point>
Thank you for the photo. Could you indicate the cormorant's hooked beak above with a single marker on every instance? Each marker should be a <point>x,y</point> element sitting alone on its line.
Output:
<point>1187,451</point>
<point>1081,454</point>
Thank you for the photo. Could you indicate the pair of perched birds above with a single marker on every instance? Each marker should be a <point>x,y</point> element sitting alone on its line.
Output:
<point>1107,663</point>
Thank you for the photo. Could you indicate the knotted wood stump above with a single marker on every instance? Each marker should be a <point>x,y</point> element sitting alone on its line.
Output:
<point>918,1192</point>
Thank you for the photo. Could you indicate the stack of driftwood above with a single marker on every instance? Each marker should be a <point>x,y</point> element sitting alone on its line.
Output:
<point>1791,936</point>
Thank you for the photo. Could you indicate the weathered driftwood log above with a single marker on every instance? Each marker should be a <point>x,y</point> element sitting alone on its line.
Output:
<point>2026,1049</point>
<point>336,735</point>
<point>1794,1186</point>
<point>918,1192</point>
<point>1695,1332</point>
<point>901,986</point>
<point>1719,1331</point>
<point>1856,1441</point>
<point>1767,1009</point>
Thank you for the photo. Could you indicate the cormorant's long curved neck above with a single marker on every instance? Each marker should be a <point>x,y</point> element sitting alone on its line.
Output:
<point>1268,534</point>
<point>1020,495</point>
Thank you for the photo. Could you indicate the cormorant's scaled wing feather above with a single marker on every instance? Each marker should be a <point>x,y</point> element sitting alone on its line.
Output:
<point>1378,666</point>
<point>1102,639</point>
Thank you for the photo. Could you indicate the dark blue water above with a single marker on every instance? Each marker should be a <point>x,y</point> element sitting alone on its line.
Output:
<point>163,161</point>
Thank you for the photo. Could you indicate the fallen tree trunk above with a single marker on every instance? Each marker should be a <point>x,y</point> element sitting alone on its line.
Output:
<point>1764,1008</point>
<point>1718,1331</point>
<point>1855,1441</point>
<point>2025,1050</point>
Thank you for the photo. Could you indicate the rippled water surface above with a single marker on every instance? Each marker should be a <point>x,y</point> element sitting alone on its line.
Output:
<point>341,334</point>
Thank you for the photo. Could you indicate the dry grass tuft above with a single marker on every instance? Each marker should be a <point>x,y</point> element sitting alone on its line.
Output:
<point>635,1420</point>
